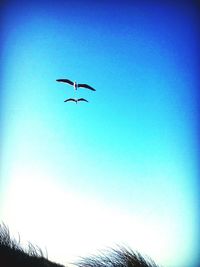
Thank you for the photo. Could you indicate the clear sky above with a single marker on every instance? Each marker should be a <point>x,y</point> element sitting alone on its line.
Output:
<point>121,169</point>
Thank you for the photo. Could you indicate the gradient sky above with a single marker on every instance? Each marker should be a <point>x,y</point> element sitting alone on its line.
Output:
<point>121,169</point>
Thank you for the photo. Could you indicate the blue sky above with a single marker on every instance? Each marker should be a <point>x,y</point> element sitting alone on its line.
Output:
<point>121,168</point>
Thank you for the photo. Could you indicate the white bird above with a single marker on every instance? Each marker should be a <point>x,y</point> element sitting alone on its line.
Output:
<point>76,100</point>
<point>75,84</point>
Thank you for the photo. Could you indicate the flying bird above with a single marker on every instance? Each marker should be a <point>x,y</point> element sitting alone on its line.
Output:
<point>75,84</point>
<point>76,100</point>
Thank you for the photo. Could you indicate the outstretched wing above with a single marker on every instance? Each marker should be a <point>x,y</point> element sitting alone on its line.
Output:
<point>86,86</point>
<point>65,81</point>
<point>70,99</point>
<point>82,99</point>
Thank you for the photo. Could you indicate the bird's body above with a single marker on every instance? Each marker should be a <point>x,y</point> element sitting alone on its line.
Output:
<point>76,100</point>
<point>76,85</point>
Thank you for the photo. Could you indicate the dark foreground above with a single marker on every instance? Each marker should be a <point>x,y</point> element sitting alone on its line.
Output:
<point>13,255</point>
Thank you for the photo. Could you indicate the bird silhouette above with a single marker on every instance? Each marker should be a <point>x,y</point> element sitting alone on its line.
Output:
<point>76,100</point>
<point>75,84</point>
